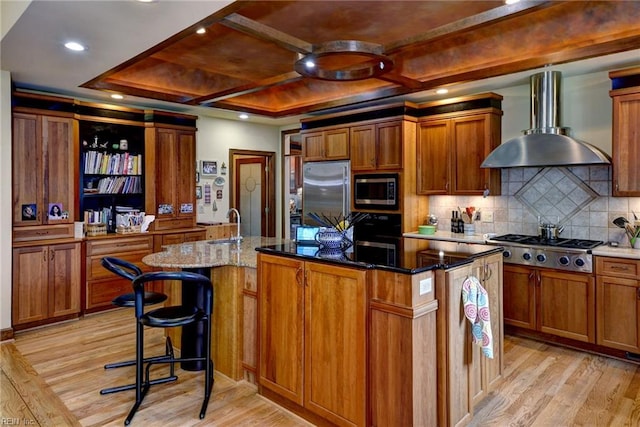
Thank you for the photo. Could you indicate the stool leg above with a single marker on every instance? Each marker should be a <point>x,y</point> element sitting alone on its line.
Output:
<point>208,380</point>
<point>141,387</point>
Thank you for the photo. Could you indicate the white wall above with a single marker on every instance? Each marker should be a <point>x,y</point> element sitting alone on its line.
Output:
<point>5,199</point>
<point>215,137</point>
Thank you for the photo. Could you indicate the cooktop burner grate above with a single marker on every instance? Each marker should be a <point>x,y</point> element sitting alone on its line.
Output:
<point>524,239</point>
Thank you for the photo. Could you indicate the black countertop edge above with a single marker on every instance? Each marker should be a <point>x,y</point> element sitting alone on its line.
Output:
<point>447,262</point>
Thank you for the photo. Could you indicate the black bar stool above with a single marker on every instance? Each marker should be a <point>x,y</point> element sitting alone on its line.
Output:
<point>130,271</point>
<point>168,317</point>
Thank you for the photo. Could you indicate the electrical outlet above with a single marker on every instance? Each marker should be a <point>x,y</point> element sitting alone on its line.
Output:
<point>487,216</point>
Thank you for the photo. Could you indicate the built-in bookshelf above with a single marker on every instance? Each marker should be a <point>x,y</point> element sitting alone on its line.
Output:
<point>111,171</point>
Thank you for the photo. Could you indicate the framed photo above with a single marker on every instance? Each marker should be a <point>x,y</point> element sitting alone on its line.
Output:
<point>209,167</point>
<point>198,191</point>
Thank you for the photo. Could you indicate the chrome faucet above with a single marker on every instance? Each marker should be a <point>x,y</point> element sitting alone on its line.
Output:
<point>237,237</point>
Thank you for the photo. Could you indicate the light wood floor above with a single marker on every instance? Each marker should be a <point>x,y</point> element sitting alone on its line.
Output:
<point>53,376</point>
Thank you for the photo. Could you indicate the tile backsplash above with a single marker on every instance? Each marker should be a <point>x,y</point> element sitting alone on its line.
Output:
<point>577,197</point>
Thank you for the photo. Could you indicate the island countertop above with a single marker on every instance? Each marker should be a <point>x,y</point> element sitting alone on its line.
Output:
<point>205,254</point>
<point>414,255</point>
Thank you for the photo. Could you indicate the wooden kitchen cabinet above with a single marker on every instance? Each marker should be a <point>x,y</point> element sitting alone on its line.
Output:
<point>170,177</point>
<point>626,132</point>
<point>467,376</point>
<point>550,301</point>
<point>452,146</point>
<point>618,307</point>
<point>102,286</point>
<point>46,284</point>
<point>331,144</point>
<point>313,336</point>
<point>43,173</point>
<point>376,146</point>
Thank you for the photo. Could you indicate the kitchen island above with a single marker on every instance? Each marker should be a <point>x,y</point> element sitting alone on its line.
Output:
<point>347,340</point>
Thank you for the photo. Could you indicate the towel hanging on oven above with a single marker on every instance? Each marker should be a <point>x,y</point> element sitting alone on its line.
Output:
<point>475,301</point>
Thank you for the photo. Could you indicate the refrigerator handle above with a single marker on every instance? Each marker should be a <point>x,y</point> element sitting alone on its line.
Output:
<point>345,191</point>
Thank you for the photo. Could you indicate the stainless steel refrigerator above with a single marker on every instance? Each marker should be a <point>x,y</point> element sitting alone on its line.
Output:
<point>325,190</point>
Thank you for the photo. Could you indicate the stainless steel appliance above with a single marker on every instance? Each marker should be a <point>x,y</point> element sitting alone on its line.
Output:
<point>376,191</point>
<point>325,190</point>
<point>562,254</point>
<point>378,239</point>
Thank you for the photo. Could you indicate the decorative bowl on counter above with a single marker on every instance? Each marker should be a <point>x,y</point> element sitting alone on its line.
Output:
<point>330,238</point>
<point>426,229</point>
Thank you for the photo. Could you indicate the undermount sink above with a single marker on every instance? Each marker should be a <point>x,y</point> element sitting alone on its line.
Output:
<point>225,241</point>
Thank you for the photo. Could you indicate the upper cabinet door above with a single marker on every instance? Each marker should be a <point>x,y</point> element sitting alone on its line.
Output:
<point>470,140</point>
<point>626,145</point>
<point>28,170</point>
<point>185,164</point>
<point>60,165</point>
<point>166,172</point>
<point>433,157</point>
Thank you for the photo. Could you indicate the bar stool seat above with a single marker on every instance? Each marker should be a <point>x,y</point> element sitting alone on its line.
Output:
<point>130,271</point>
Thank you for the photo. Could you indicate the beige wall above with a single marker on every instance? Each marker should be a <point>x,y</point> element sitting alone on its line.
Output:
<point>5,200</point>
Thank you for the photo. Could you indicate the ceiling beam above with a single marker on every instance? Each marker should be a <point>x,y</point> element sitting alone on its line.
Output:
<point>264,32</point>
<point>493,15</point>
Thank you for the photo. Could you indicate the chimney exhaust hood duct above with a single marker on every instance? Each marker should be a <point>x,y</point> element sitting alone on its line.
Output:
<point>546,143</point>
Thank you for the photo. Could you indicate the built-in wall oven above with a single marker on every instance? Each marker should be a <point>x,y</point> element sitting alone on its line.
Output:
<point>378,239</point>
<point>376,191</point>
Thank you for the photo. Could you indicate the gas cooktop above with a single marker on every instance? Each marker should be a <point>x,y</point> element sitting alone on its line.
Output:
<point>523,239</point>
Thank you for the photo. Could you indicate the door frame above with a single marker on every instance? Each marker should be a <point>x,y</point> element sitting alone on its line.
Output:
<point>269,181</point>
<point>285,150</point>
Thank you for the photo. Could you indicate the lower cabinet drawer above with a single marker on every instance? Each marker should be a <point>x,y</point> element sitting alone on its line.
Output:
<point>101,293</point>
<point>96,271</point>
<point>114,246</point>
<point>58,231</point>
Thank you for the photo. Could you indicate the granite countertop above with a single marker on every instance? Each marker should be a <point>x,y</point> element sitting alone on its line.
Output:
<point>410,256</point>
<point>202,254</point>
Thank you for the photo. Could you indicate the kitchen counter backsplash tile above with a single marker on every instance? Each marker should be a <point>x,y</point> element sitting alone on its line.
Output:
<point>579,195</point>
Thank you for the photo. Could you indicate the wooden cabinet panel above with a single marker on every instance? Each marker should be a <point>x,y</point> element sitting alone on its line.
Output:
<point>185,185</point>
<point>281,311</point>
<point>222,231</point>
<point>519,297</point>
<point>567,305</point>
<point>249,279</point>
<point>618,303</point>
<point>46,283</point>
<point>330,144</point>
<point>335,343</point>
<point>451,149</point>
<point>109,246</point>
<point>376,146</point>
<point>44,168</point>
<point>626,145</point>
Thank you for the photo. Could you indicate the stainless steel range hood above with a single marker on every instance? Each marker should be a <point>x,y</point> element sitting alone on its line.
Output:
<point>546,143</point>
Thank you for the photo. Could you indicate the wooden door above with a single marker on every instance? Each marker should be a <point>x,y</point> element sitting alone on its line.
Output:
<point>28,170</point>
<point>335,343</point>
<point>567,305</point>
<point>59,153</point>
<point>519,296</point>
<point>389,145</point>
<point>166,173</point>
<point>433,154</point>
<point>184,163</point>
<point>469,136</point>
<point>626,145</point>
<point>64,279</point>
<point>618,313</point>
<point>336,144</point>
<point>313,146</point>
<point>363,147</point>
<point>30,280</point>
<point>252,196</point>
<point>281,314</point>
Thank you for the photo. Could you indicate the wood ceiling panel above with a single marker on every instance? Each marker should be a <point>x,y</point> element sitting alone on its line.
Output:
<point>246,58</point>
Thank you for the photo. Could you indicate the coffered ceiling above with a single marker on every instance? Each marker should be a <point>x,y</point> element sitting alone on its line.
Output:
<point>245,60</point>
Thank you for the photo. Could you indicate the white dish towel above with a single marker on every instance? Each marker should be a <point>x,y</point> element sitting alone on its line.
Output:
<point>475,301</point>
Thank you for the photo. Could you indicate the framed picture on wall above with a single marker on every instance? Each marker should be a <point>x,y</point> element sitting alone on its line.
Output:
<point>198,191</point>
<point>209,168</point>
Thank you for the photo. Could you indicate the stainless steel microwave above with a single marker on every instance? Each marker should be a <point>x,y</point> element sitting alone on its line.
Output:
<point>376,191</point>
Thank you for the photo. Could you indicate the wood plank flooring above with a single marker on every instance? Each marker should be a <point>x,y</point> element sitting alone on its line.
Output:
<point>544,385</point>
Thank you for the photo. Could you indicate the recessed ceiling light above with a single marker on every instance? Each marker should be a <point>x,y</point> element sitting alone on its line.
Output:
<point>310,64</point>
<point>201,31</point>
<point>442,91</point>
<point>243,116</point>
<point>74,46</point>
<point>117,96</point>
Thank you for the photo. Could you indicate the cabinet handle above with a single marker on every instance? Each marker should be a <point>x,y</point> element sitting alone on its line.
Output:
<point>42,233</point>
<point>53,255</point>
<point>44,255</point>
<point>620,267</point>
<point>487,272</point>
<point>446,186</point>
<point>299,276</point>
